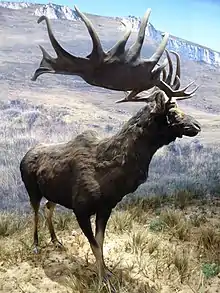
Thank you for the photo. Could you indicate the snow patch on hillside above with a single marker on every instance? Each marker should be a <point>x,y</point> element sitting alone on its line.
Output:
<point>54,11</point>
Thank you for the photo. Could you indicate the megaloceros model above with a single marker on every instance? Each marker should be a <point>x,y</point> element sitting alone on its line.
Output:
<point>117,69</point>
<point>90,175</point>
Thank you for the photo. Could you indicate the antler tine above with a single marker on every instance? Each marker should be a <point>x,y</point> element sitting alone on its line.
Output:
<point>172,89</point>
<point>57,47</point>
<point>190,94</point>
<point>148,98</point>
<point>159,52</point>
<point>177,62</point>
<point>119,48</point>
<point>44,52</point>
<point>134,51</point>
<point>176,84</point>
<point>164,74</point>
<point>177,93</point>
<point>43,69</point>
<point>170,74</point>
<point>97,51</point>
<point>168,79</point>
<point>161,68</point>
<point>132,96</point>
<point>46,65</point>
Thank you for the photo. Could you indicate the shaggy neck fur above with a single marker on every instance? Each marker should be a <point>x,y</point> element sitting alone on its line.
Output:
<point>124,158</point>
<point>140,138</point>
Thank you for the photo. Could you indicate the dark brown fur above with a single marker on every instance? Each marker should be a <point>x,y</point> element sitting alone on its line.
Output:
<point>90,176</point>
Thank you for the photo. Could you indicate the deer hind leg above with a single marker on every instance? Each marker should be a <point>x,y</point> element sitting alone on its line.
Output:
<point>85,225</point>
<point>35,203</point>
<point>48,212</point>
<point>102,217</point>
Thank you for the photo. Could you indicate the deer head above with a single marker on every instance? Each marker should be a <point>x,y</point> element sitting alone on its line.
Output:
<point>171,122</point>
<point>117,69</point>
<point>167,117</point>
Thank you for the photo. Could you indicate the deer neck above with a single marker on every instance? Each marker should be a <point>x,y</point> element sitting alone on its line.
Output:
<point>134,145</point>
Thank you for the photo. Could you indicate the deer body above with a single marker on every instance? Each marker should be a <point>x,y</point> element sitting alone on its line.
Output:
<point>56,168</point>
<point>102,170</point>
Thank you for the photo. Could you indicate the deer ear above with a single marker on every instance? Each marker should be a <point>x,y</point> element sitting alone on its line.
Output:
<point>160,103</point>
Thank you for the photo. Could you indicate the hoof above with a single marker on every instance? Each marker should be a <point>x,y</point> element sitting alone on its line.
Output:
<point>105,274</point>
<point>106,277</point>
<point>108,283</point>
<point>107,280</point>
<point>58,244</point>
<point>36,250</point>
<point>108,274</point>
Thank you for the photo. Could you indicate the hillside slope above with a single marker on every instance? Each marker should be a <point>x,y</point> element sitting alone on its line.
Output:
<point>190,50</point>
<point>20,55</point>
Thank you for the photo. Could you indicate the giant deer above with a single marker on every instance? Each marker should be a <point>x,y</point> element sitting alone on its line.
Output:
<point>90,176</point>
<point>117,69</point>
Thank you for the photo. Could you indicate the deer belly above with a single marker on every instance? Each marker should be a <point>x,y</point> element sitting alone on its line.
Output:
<point>56,188</point>
<point>134,184</point>
<point>58,194</point>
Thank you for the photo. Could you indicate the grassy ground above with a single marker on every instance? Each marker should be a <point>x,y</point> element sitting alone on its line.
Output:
<point>158,244</point>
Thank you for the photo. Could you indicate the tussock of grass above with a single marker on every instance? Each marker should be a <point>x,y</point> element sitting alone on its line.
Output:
<point>180,259</point>
<point>153,245</point>
<point>118,284</point>
<point>198,220</point>
<point>176,223</point>
<point>10,224</point>
<point>138,242</point>
<point>209,243</point>
<point>171,217</point>
<point>182,199</point>
<point>64,221</point>
<point>121,221</point>
<point>209,237</point>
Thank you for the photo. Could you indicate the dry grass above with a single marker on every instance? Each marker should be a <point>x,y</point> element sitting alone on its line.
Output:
<point>142,257</point>
<point>9,227</point>
<point>176,223</point>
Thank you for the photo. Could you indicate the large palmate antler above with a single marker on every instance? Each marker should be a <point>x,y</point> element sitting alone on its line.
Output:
<point>172,87</point>
<point>117,69</point>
